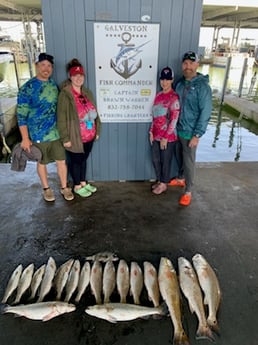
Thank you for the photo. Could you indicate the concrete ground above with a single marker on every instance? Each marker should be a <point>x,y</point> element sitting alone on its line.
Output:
<point>126,218</point>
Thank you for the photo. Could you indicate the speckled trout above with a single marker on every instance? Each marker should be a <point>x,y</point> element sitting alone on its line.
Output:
<point>114,312</point>
<point>39,311</point>
<point>12,283</point>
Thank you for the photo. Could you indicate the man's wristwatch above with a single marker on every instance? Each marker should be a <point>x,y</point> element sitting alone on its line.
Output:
<point>197,135</point>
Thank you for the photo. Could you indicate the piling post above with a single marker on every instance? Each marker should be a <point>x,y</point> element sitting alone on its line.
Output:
<point>240,88</point>
<point>226,78</point>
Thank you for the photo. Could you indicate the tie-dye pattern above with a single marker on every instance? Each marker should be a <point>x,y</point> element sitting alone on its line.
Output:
<point>36,109</point>
<point>165,112</point>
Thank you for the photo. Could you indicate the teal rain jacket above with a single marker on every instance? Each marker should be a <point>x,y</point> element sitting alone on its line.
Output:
<point>196,105</point>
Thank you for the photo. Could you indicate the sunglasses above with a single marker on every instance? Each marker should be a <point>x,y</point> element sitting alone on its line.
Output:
<point>190,56</point>
<point>82,100</point>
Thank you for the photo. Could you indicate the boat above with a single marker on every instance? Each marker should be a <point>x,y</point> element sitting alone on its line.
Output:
<point>5,58</point>
<point>237,53</point>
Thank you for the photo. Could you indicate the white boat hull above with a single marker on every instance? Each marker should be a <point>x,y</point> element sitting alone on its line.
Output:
<point>5,58</point>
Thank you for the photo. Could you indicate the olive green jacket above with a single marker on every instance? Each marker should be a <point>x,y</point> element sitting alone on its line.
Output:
<point>67,118</point>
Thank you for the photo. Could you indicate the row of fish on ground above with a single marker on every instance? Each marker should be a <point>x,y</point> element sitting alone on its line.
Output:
<point>198,282</point>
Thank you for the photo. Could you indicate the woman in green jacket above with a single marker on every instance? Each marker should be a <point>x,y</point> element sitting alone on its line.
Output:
<point>78,124</point>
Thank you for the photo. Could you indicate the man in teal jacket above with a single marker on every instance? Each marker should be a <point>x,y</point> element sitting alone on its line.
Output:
<point>196,105</point>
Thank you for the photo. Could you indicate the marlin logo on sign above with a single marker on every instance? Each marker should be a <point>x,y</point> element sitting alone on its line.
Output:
<point>125,63</point>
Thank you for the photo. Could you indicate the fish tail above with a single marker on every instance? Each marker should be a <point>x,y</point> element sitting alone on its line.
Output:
<point>181,338</point>
<point>163,309</point>
<point>77,298</point>
<point>204,332</point>
<point>4,300</point>
<point>3,307</point>
<point>213,324</point>
<point>32,296</point>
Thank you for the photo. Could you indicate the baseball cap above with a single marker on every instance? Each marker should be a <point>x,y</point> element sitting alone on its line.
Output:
<point>76,70</point>
<point>167,73</point>
<point>45,56</point>
<point>190,55</point>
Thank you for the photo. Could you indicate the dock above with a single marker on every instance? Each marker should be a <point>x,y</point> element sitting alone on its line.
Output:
<point>247,109</point>
<point>8,119</point>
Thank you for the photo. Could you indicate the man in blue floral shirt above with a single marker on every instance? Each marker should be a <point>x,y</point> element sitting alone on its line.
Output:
<point>36,114</point>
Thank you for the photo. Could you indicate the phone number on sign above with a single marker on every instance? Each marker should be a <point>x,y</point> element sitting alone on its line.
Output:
<point>125,107</point>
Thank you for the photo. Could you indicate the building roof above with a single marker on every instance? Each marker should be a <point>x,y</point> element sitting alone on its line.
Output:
<point>17,10</point>
<point>230,16</point>
<point>213,15</point>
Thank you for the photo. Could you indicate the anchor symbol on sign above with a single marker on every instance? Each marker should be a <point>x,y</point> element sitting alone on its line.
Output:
<point>124,63</point>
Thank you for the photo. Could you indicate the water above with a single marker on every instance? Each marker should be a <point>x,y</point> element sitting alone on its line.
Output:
<point>227,138</point>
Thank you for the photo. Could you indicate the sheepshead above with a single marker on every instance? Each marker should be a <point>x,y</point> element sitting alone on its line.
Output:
<point>84,281</point>
<point>103,256</point>
<point>109,280</point>
<point>210,286</point>
<point>12,283</point>
<point>151,283</point>
<point>136,281</point>
<point>96,281</point>
<point>61,277</point>
<point>169,290</point>
<point>191,289</point>
<point>43,311</point>
<point>24,282</point>
<point>122,280</point>
<point>72,281</point>
<point>115,312</point>
<point>36,280</point>
<point>47,280</point>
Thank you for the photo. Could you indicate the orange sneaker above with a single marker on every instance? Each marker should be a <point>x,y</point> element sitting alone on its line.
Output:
<point>176,182</point>
<point>185,199</point>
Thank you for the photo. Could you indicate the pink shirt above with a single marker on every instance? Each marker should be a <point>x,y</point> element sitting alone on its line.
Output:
<point>165,113</point>
<point>87,114</point>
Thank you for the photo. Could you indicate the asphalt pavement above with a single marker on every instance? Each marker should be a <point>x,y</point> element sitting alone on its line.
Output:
<point>126,218</point>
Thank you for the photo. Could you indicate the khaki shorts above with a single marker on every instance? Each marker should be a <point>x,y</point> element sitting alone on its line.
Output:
<point>51,151</point>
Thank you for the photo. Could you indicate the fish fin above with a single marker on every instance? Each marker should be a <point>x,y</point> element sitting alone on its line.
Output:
<point>49,316</point>
<point>204,332</point>
<point>112,319</point>
<point>213,323</point>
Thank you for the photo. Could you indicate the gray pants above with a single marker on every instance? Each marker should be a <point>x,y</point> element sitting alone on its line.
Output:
<point>161,160</point>
<point>189,156</point>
